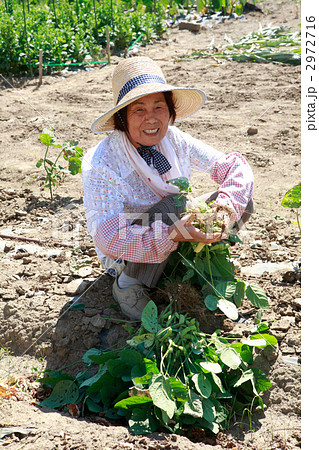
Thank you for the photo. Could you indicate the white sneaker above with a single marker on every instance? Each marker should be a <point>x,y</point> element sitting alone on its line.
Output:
<point>132,300</point>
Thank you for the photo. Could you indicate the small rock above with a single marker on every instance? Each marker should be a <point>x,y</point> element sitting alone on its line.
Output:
<point>77,287</point>
<point>270,352</point>
<point>28,248</point>
<point>189,26</point>
<point>90,312</point>
<point>252,130</point>
<point>246,235</point>
<point>270,267</point>
<point>257,244</point>
<point>98,321</point>
<point>282,325</point>
<point>3,246</point>
<point>290,276</point>
<point>85,271</point>
<point>292,360</point>
<point>8,294</point>
<point>296,302</point>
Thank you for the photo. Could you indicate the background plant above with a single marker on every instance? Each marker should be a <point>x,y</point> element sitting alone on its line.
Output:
<point>70,151</point>
<point>69,31</point>
<point>292,199</point>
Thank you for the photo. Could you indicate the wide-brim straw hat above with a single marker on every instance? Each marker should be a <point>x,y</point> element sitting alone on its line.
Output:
<point>136,77</point>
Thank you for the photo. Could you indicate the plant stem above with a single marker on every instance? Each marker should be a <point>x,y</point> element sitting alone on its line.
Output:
<point>298,222</point>
<point>209,266</point>
<point>48,172</point>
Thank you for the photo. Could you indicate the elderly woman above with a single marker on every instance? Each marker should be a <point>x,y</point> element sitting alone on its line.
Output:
<point>130,209</point>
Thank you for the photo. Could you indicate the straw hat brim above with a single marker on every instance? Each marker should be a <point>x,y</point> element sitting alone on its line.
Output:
<point>187,102</point>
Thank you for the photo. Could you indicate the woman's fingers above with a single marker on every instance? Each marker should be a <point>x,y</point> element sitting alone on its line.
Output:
<point>183,230</point>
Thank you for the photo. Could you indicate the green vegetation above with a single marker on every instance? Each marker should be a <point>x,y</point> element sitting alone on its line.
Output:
<point>68,31</point>
<point>292,199</point>
<point>270,44</point>
<point>75,31</point>
<point>209,267</point>
<point>168,376</point>
<point>55,173</point>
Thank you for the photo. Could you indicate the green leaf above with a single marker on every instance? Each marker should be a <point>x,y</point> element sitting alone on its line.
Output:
<point>246,354</point>
<point>228,308</point>
<point>75,165</point>
<point>210,367</point>
<point>210,414</point>
<point>211,302</point>
<point>254,342</point>
<point>179,390</point>
<point>257,378</point>
<point>131,357</point>
<point>142,373</point>
<point>146,339</point>
<point>86,357</point>
<point>257,296</point>
<point>142,421</point>
<point>181,182</point>
<point>202,384</point>
<point>39,163</point>
<point>106,379</point>
<point>248,375</point>
<point>118,368</point>
<point>270,340</point>
<point>239,293</point>
<point>64,392</point>
<point>133,401</point>
<point>47,137</point>
<point>93,406</point>
<point>189,274</point>
<point>150,317</point>
<point>54,377</point>
<point>77,307</point>
<point>226,289</point>
<point>193,405</point>
<point>262,383</point>
<point>292,198</point>
<point>218,382</point>
<point>90,381</point>
<point>230,357</point>
<point>160,391</point>
<point>103,356</point>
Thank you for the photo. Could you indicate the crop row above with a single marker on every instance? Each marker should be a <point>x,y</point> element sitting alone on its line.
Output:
<point>69,31</point>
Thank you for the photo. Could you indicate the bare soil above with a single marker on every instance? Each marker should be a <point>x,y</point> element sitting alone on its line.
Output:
<point>39,280</point>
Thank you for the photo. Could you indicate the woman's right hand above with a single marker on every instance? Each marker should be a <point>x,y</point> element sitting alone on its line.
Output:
<point>184,231</point>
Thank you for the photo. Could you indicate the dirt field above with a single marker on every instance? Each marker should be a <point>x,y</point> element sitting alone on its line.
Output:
<point>38,279</point>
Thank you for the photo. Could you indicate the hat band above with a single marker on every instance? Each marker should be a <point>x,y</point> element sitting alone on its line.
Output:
<point>137,81</point>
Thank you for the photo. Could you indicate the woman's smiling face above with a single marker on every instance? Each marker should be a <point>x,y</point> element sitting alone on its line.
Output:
<point>148,119</point>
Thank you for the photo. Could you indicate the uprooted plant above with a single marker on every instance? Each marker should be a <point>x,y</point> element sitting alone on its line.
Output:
<point>209,266</point>
<point>168,376</point>
<point>55,173</point>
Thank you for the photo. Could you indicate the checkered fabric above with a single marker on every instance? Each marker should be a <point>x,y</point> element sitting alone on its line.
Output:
<point>151,155</point>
